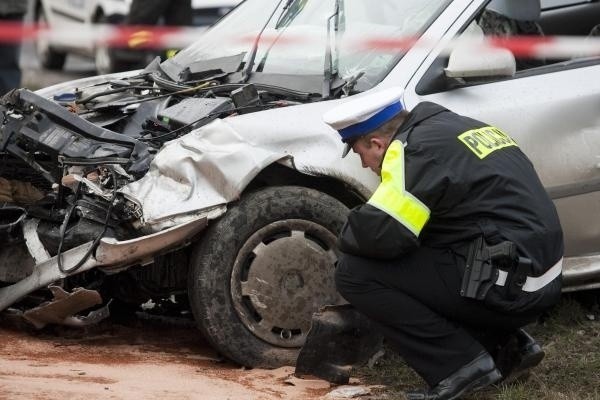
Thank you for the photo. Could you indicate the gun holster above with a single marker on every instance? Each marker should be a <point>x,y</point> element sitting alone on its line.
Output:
<point>517,277</point>
<point>482,269</point>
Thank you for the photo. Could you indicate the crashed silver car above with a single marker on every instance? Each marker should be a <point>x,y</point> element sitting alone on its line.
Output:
<point>211,177</point>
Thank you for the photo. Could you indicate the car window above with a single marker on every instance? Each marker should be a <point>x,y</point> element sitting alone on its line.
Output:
<point>574,18</point>
<point>390,19</point>
<point>494,21</point>
<point>232,34</point>
<point>295,39</point>
<point>521,29</point>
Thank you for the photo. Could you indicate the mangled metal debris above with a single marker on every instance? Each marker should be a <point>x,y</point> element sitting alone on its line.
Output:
<point>64,307</point>
<point>348,392</point>
<point>12,191</point>
<point>109,254</point>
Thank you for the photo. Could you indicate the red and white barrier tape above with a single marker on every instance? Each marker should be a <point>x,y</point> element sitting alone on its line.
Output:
<point>105,35</point>
<point>179,37</point>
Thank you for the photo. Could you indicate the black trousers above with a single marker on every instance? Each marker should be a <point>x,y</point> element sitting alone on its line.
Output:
<point>416,302</point>
<point>10,72</point>
<point>149,12</point>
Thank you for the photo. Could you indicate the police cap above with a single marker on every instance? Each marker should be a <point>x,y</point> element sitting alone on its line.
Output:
<point>361,116</point>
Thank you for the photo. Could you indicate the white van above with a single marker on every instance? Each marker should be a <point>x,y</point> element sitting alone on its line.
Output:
<point>52,50</point>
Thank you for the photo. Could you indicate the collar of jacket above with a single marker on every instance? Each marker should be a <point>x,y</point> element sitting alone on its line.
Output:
<point>421,112</point>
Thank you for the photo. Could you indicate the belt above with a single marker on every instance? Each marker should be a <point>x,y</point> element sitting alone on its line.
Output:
<point>532,283</point>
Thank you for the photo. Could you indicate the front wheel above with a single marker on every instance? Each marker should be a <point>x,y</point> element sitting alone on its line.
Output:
<point>262,269</point>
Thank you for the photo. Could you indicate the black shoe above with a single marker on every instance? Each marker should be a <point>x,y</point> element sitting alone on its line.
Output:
<point>517,363</point>
<point>477,374</point>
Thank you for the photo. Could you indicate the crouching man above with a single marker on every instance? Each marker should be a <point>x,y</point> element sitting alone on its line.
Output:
<point>457,249</point>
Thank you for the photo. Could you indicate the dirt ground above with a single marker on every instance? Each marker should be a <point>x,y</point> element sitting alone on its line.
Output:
<point>148,361</point>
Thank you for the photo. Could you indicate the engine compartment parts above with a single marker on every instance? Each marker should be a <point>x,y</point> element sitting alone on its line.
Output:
<point>11,221</point>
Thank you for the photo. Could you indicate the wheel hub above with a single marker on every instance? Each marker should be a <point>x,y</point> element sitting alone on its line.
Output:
<point>292,281</point>
<point>282,274</point>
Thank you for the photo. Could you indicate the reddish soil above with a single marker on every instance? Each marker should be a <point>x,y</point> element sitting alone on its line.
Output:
<point>147,362</point>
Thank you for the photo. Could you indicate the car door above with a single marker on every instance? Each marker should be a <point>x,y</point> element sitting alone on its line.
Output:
<point>552,110</point>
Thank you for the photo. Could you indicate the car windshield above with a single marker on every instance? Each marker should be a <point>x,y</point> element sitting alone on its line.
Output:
<point>307,37</point>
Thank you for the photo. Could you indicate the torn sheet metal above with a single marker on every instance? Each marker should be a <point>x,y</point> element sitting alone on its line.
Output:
<point>12,191</point>
<point>44,274</point>
<point>62,309</point>
<point>114,255</point>
<point>109,253</point>
<point>348,392</point>
<point>15,262</point>
<point>34,245</point>
<point>11,223</point>
<point>206,168</point>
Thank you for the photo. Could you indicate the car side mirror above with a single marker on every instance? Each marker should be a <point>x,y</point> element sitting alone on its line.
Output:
<point>480,62</point>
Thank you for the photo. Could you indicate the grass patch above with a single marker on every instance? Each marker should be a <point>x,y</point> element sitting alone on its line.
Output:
<point>570,336</point>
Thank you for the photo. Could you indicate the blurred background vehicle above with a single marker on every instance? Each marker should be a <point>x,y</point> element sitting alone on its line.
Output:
<point>52,51</point>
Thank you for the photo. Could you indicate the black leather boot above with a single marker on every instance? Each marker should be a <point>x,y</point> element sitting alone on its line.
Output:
<point>528,354</point>
<point>477,374</point>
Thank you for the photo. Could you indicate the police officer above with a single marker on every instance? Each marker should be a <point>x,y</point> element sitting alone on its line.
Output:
<point>418,258</point>
<point>11,11</point>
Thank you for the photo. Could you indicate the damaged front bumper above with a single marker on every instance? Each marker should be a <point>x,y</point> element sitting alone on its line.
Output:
<point>110,255</point>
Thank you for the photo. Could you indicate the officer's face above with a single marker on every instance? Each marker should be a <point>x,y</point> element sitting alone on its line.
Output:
<point>371,151</point>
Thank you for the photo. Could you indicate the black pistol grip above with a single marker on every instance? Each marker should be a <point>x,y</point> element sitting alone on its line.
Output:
<point>502,251</point>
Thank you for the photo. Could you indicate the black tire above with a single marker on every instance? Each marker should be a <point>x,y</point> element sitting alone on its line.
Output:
<point>105,61</point>
<point>262,269</point>
<point>48,57</point>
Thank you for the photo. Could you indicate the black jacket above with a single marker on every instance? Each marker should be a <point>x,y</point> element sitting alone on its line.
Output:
<point>474,180</point>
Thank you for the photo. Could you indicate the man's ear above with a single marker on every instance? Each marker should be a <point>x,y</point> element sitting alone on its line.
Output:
<point>379,142</point>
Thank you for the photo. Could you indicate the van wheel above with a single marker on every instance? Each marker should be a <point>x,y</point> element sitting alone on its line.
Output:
<point>105,58</point>
<point>105,61</point>
<point>262,269</point>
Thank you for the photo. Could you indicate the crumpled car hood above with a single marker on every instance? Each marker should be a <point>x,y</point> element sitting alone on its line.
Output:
<point>212,165</point>
<point>206,168</point>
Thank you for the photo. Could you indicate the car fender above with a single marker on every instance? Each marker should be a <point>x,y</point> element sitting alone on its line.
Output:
<point>212,165</point>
